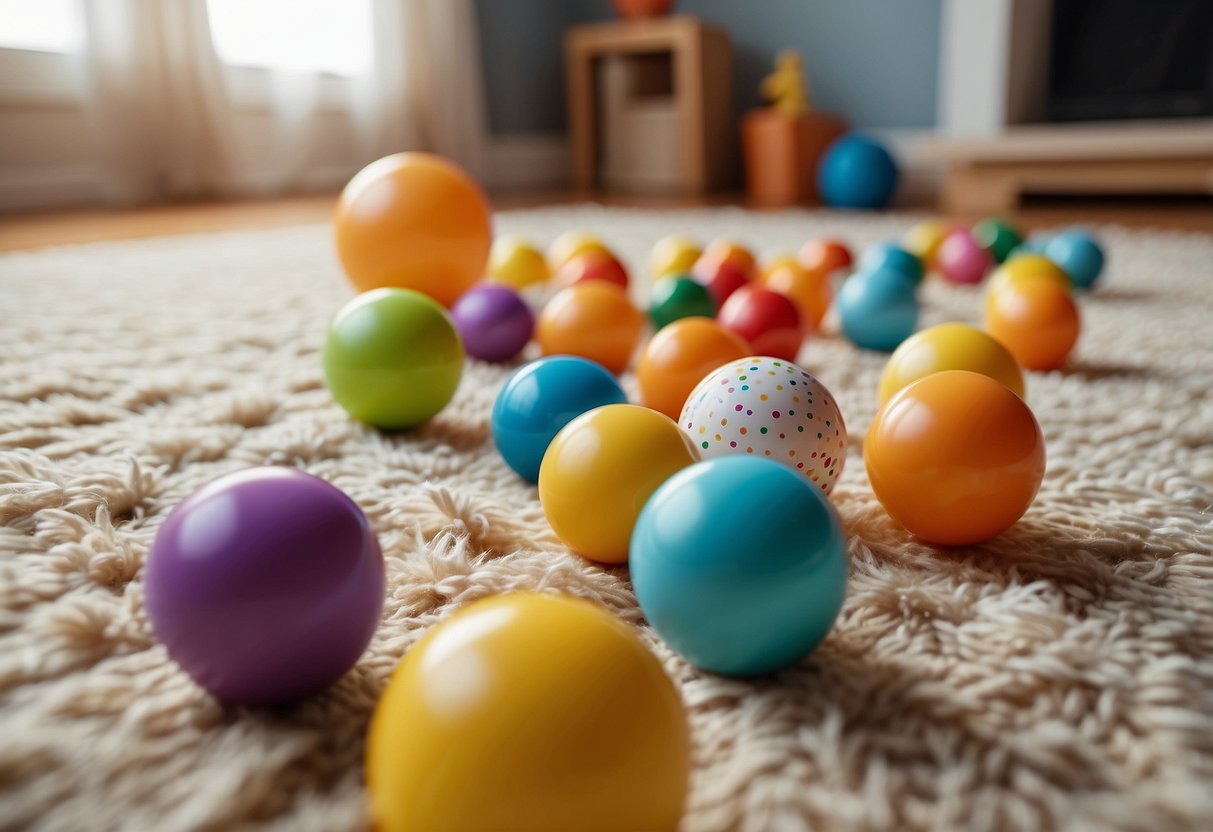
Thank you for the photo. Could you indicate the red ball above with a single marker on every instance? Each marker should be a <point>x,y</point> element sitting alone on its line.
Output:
<point>767,319</point>
<point>593,265</point>
<point>825,256</point>
<point>721,277</point>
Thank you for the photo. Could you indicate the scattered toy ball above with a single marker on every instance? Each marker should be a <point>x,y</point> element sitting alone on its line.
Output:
<point>595,320</point>
<point>675,254</point>
<point>265,585</point>
<point>878,309</point>
<point>392,358</point>
<point>1021,267</point>
<point>889,255</point>
<point>415,221</point>
<point>998,237</point>
<point>809,289</point>
<point>951,346</point>
<point>572,243</point>
<point>515,262</point>
<point>542,397</point>
<point>856,172</point>
<point>600,469</point>
<point>1077,253</point>
<point>678,296</point>
<point>739,565</point>
<point>528,711</point>
<point>769,408</point>
<point>956,457</point>
<point>678,357</point>
<point>730,251</point>
<point>1036,319</point>
<point>593,265</point>
<point>961,260</point>
<point>768,321</point>
<point>825,256</point>
<point>721,277</point>
<point>924,240</point>
<point>494,322</point>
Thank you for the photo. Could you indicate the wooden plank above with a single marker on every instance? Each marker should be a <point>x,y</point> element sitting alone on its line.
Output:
<point>1177,139</point>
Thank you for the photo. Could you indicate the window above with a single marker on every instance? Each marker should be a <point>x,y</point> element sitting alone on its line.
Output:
<point>41,26</point>
<point>299,35</point>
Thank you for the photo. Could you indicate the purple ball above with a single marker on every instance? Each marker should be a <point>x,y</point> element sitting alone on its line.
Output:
<point>265,585</point>
<point>494,322</point>
<point>961,260</point>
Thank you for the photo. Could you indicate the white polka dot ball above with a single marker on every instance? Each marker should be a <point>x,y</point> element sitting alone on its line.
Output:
<point>768,407</point>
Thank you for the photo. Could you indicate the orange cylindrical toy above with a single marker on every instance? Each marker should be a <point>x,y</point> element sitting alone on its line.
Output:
<point>1036,319</point>
<point>593,319</point>
<point>678,357</point>
<point>955,457</point>
<point>416,221</point>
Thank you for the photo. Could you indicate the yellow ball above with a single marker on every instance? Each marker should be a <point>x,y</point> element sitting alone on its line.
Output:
<point>528,711</point>
<point>674,254</point>
<point>924,240</point>
<point>515,262</point>
<point>949,347</point>
<point>1027,267</point>
<point>601,469</point>
<point>777,263</point>
<point>572,243</point>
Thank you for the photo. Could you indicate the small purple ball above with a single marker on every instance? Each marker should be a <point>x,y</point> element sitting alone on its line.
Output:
<point>494,322</point>
<point>265,585</point>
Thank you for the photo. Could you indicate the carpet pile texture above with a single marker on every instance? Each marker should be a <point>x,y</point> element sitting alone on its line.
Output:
<point>1057,677</point>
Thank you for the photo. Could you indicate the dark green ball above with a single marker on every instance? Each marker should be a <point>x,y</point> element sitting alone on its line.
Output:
<point>997,237</point>
<point>680,296</point>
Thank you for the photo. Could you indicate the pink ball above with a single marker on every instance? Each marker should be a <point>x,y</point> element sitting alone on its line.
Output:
<point>961,260</point>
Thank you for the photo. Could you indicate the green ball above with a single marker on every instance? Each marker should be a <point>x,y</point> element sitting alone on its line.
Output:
<point>680,296</point>
<point>392,358</point>
<point>997,237</point>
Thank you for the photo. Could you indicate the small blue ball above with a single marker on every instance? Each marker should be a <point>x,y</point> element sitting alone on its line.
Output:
<point>738,563</point>
<point>893,256</point>
<point>542,397</point>
<point>1035,244</point>
<point>856,172</point>
<point>1078,255</point>
<point>878,309</point>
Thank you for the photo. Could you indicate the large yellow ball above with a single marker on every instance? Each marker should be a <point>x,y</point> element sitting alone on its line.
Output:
<point>529,711</point>
<point>415,221</point>
<point>515,262</point>
<point>952,346</point>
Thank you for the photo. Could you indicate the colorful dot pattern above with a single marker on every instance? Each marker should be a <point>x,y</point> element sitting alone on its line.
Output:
<point>772,408</point>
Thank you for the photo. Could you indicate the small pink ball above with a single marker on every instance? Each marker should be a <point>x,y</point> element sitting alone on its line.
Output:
<point>961,260</point>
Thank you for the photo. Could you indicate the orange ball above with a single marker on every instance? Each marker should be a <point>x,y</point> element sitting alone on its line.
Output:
<point>955,457</point>
<point>593,319</point>
<point>1036,319</point>
<point>825,256</point>
<point>572,243</point>
<point>416,221</point>
<point>809,289</point>
<point>678,357</point>
<point>727,251</point>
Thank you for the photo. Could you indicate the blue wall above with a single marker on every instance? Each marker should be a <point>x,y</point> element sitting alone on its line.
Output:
<point>872,61</point>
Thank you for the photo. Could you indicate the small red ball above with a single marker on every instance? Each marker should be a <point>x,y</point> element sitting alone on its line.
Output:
<point>721,277</point>
<point>769,320</point>
<point>593,265</point>
<point>825,256</point>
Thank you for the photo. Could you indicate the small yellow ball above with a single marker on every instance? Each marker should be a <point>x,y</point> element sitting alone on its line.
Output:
<point>924,240</point>
<point>1027,267</point>
<point>951,346</point>
<point>572,243</point>
<point>675,254</point>
<point>515,262</point>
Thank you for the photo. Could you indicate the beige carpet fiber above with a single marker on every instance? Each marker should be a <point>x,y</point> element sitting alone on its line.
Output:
<point>1058,677</point>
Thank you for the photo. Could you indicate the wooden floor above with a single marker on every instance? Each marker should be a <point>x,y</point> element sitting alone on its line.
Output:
<point>83,225</point>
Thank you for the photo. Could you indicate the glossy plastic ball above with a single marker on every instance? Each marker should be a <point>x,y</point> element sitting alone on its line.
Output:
<point>1079,255</point>
<point>956,457</point>
<point>889,255</point>
<point>542,397</point>
<point>924,240</point>
<point>515,262</point>
<point>878,310</point>
<point>494,322</point>
<point>572,243</point>
<point>739,565</point>
<point>951,346</point>
<point>825,256</point>
<point>766,407</point>
<point>599,471</point>
<point>721,277</point>
<point>810,290</point>
<point>1035,244</point>
<point>730,251</point>
<point>392,358</point>
<point>856,172</point>
<point>678,357</point>
<point>1036,320</point>
<point>961,260</point>
<point>528,711</point>
<point>595,320</point>
<point>265,585</point>
<point>1022,267</point>
<point>678,296</point>
<point>592,265</point>
<point>768,321</point>
<point>415,221</point>
<point>675,254</point>
<point>998,237</point>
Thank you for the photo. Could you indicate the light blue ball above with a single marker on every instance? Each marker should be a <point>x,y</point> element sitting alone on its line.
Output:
<point>542,397</point>
<point>1078,255</point>
<point>856,172</point>
<point>1035,244</point>
<point>878,309</point>
<point>738,563</point>
<point>889,254</point>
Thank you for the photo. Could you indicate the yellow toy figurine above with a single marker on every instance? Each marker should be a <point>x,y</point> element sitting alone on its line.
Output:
<point>786,88</point>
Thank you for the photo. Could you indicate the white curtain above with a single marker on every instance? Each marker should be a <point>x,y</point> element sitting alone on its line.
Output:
<point>166,126</point>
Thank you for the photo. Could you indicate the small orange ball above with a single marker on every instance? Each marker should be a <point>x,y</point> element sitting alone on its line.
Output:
<point>809,290</point>
<point>679,356</point>
<point>727,251</point>
<point>593,319</point>
<point>825,256</point>
<point>1036,319</point>
<point>955,457</point>
<point>416,221</point>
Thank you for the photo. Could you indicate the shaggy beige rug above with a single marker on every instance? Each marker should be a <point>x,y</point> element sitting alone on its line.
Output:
<point>1060,676</point>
